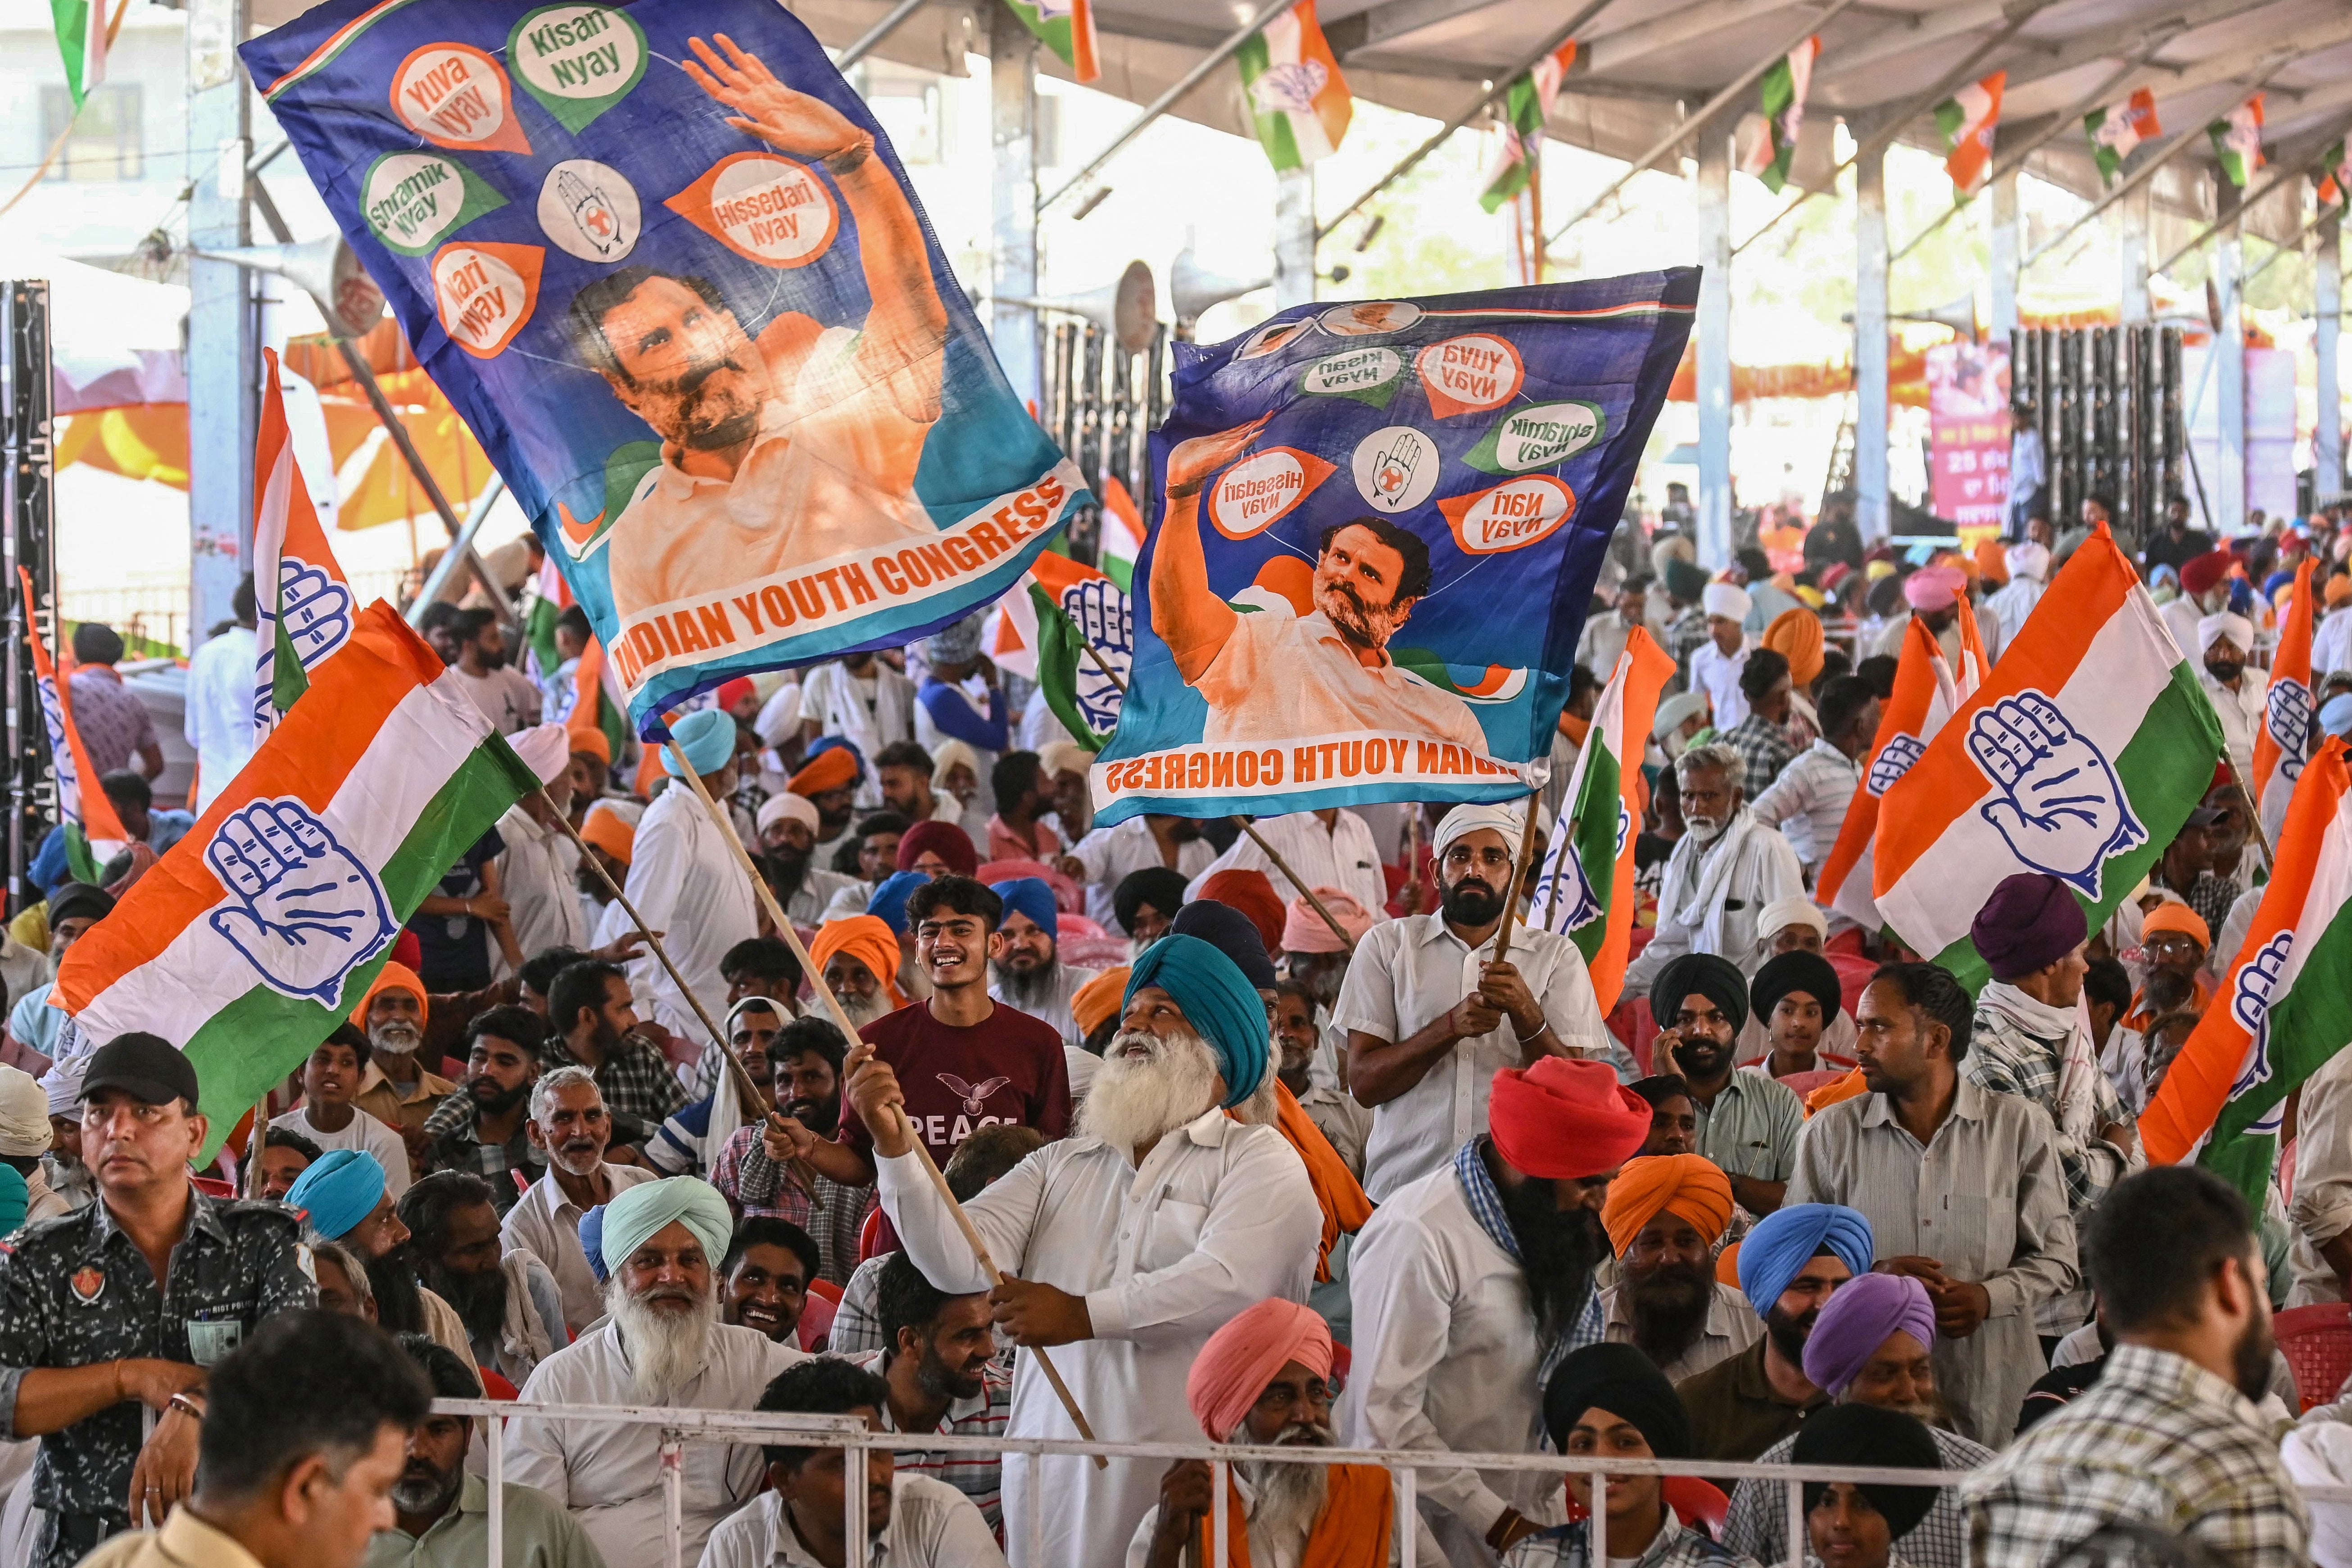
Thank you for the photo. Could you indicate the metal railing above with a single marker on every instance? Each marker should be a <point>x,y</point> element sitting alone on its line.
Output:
<point>677,1428</point>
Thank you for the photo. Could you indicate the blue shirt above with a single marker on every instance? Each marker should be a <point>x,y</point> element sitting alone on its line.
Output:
<point>49,872</point>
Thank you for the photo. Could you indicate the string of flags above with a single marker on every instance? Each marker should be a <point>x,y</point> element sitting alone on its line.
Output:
<point>1967,118</point>
<point>1781,101</point>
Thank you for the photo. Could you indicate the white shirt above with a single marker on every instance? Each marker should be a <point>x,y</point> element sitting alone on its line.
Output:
<point>536,873</point>
<point>2241,714</point>
<point>1054,1010</point>
<point>2182,615</point>
<point>366,1134</point>
<point>1716,673</point>
<point>1342,856</point>
<point>872,712</point>
<point>219,710</point>
<point>684,881</point>
<point>506,697</point>
<point>2322,1209</point>
<point>1731,1327</point>
<point>2331,645</point>
<point>1446,1358</point>
<point>610,1476</point>
<point>2014,603</point>
<point>1604,641</point>
<point>1220,1218</point>
<point>1111,854</point>
<point>1285,678</point>
<point>546,1224</point>
<point>932,1525</point>
<point>1408,972</point>
<point>1808,802</point>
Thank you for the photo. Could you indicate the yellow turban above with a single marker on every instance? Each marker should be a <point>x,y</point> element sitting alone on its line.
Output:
<point>1684,1186</point>
<point>1796,636</point>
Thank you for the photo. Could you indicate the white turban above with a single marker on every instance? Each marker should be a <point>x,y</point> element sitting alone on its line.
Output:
<point>1726,600</point>
<point>23,1114</point>
<point>2028,559</point>
<point>1509,819</point>
<point>1674,710</point>
<point>787,807</point>
<point>1796,911</point>
<point>63,1082</point>
<point>2213,628</point>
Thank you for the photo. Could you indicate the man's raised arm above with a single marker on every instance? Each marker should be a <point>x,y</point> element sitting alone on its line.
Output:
<point>1191,619</point>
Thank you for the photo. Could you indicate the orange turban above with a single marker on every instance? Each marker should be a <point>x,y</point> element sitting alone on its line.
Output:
<point>1688,1186</point>
<point>1993,561</point>
<point>1796,636</point>
<point>1251,892</point>
<point>1851,1086</point>
<point>393,977</point>
<point>591,740</point>
<point>2171,916</point>
<point>868,939</point>
<point>2339,589</point>
<point>607,831</point>
<point>1230,1374</point>
<point>833,768</point>
<point>1097,1002</point>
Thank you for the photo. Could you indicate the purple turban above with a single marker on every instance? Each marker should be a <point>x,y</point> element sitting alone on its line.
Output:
<point>1860,1316</point>
<point>2032,922</point>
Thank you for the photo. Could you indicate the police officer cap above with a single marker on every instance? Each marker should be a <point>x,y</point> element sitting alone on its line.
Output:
<point>148,1067</point>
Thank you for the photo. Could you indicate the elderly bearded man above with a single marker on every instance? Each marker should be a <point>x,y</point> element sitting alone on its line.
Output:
<point>1265,1379</point>
<point>1469,1285</point>
<point>1726,868</point>
<point>662,1344</point>
<point>1665,1216</point>
<point>568,1125</point>
<point>1029,974</point>
<point>1134,1239</point>
<point>397,1090</point>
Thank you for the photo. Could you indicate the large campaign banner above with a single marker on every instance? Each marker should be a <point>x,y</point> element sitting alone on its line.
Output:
<point>1379,530</point>
<point>1968,432</point>
<point>669,269</point>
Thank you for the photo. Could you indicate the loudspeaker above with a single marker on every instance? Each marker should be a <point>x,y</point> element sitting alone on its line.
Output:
<point>1128,308</point>
<point>1193,289</point>
<point>323,268</point>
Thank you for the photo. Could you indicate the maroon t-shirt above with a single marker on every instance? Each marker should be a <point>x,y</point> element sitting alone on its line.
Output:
<point>1006,1070</point>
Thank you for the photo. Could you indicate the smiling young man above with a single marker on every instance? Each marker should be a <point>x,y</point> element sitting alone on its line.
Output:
<point>763,1280</point>
<point>330,1077</point>
<point>938,1359</point>
<point>482,1131</point>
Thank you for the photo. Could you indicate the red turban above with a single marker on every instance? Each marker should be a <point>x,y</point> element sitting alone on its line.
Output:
<point>1232,1370</point>
<point>833,768</point>
<point>944,840</point>
<point>868,939</point>
<point>1253,894</point>
<point>1566,1118</point>
<point>1688,1185</point>
<point>2201,573</point>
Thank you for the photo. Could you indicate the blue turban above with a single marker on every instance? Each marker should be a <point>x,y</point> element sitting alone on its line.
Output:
<point>706,737</point>
<point>1030,896</point>
<point>888,904</point>
<point>632,1216</point>
<point>592,1241</point>
<point>2335,716</point>
<point>340,1189</point>
<point>1219,1002</point>
<point>1785,1240</point>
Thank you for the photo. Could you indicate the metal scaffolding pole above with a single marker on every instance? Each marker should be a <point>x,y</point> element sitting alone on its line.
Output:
<point>876,33</point>
<point>2327,311</point>
<point>1013,136</point>
<point>1870,366</point>
<point>1714,345</point>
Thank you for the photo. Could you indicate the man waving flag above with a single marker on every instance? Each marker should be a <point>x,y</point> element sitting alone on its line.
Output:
<point>302,596</point>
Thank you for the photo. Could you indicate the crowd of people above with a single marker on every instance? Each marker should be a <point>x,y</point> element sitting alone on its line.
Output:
<point>1295,1137</point>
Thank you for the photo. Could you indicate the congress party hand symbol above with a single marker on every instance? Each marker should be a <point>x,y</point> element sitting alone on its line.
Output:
<point>302,907</point>
<point>2059,804</point>
<point>314,610</point>
<point>2290,714</point>
<point>1891,764</point>
<point>1105,616</point>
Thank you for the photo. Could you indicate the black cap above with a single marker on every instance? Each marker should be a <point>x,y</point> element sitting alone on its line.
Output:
<point>2204,816</point>
<point>148,1067</point>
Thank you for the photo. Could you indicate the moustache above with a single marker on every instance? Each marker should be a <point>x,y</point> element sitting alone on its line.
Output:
<point>692,381</point>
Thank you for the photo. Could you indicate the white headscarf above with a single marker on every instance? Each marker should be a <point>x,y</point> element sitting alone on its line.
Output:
<point>2211,630</point>
<point>1727,600</point>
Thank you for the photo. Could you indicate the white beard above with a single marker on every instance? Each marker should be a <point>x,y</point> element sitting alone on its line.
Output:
<point>1290,1497</point>
<point>1263,1107</point>
<point>1137,1100</point>
<point>663,1348</point>
<point>399,1039</point>
<point>865,1010</point>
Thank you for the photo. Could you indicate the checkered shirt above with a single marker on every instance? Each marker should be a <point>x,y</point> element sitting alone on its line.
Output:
<point>2004,1059</point>
<point>752,1182</point>
<point>1764,748</point>
<point>1570,1546</point>
<point>640,1089</point>
<point>454,1131</point>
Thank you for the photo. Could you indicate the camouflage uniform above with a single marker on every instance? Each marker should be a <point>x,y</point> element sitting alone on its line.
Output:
<point>77,1292</point>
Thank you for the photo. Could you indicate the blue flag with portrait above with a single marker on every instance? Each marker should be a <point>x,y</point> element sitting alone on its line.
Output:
<point>1379,535</point>
<point>669,270</point>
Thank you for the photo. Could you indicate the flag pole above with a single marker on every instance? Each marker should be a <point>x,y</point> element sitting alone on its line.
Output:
<point>1519,876</point>
<point>2253,813</point>
<point>850,1032</point>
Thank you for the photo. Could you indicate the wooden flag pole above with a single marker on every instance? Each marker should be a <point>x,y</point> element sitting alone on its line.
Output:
<point>850,1032</point>
<point>1519,878</point>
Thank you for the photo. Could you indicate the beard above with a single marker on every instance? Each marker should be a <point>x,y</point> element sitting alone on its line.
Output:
<point>1704,1056</point>
<point>480,1300</point>
<point>1558,1252</point>
<point>787,870</point>
<point>1028,989</point>
<point>399,1300</point>
<point>496,1101</point>
<point>1789,1331</point>
<point>397,1037</point>
<point>1705,829</point>
<point>427,1492</point>
<point>2250,1357</point>
<point>2167,992</point>
<point>822,1117</point>
<point>864,1009</point>
<point>1351,617</point>
<point>1669,1307</point>
<point>1290,1497</point>
<point>663,1347</point>
<point>1470,902</point>
<point>1136,1099</point>
<point>1934,1412</point>
<point>937,1380</point>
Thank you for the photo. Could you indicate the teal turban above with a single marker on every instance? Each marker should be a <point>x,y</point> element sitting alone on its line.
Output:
<point>632,1216</point>
<point>708,739</point>
<point>1780,1246</point>
<point>1030,896</point>
<point>16,1198</point>
<point>340,1189</point>
<point>1218,1001</point>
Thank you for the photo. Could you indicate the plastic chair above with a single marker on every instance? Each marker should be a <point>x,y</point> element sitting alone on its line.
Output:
<point>869,1235</point>
<point>1699,1502</point>
<point>2318,1343</point>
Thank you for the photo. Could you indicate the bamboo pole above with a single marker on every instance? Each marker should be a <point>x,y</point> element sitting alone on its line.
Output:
<point>1519,878</point>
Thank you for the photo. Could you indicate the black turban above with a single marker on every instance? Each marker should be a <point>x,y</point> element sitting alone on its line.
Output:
<point>1866,1435</point>
<point>1230,932</point>
<point>1808,973</point>
<point>1627,1383</point>
<point>1704,974</point>
<point>1158,886</point>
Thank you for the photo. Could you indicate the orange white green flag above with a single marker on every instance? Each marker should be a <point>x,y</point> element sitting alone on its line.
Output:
<point>258,932</point>
<point>2290,712</point>
<point>1066,27</point>
<point>1297,94</point>
<point>1928,692</point>
<point>1966,119</point>
<point>1043,629</point>
<point>1597,828</point>
<point>2284,1008</point>
<point>302,597</point>
<point>94,835</point>
<point>2080,756</point>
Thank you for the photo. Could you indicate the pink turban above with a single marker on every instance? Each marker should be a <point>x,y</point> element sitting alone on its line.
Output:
<point>1934,588</point>
<point>1304,931</point>
<point>1232,1370</point>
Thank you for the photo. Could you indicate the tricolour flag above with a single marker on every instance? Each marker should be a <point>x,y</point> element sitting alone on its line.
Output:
<point>2118,128</point>
<point>1526,107</point>
<point>1122,532</point>
<point>81,43</point>
<point>2336,178</point>
<point>256,934</point>
<point>2080,756</point>
<point>1781,101</point>
<point>545,598</point>
<point>94,835</point>
<point>1065,26</point>
<point>1967,120</point>
<point>1043,629</point>
<point>2238,141</point>
<point>1928,692</point>
<point>1296,91</point>
<point>2285,1001</point>
<point>303,599</point>
<point>2290,712</point>
<point>1597,828</point>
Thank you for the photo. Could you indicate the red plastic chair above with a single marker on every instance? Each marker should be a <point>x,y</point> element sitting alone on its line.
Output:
<point>826,1288</point>
<point>869,1235</point>
<point>2318,1343</point>
<point>1695,1501</point>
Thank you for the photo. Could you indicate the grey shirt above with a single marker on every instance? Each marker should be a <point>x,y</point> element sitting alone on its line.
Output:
<point>1985,1198</point>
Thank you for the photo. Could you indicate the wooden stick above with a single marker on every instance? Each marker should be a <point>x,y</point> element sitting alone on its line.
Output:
<point>850,1032</point>
<point>2253,817</point>
<point>1519,876</point>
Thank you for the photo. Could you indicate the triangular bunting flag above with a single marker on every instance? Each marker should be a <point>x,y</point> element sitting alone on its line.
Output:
<point>1967,120</point>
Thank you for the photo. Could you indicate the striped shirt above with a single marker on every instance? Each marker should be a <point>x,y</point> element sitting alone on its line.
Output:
<point>1808,801</point>
<point>978,1476</point>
